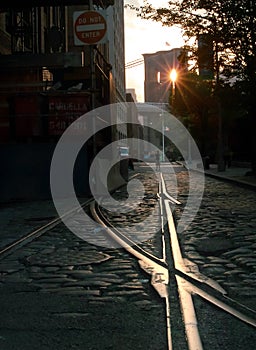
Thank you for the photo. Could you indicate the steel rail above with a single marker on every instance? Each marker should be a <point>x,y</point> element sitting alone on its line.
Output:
<point>124,241</point>
<point>185,268</point>
<point>186,280</point>
<point>186,301</point>
<point>19,243</point>
<point>230,305</point>
<point>162,221</point>
<point>150,264</point>
<point>165,193</point>
<point>239,304</point>
<point>27,238</point>
<point>229,309</point>
<point>167,299</point>
<point>188,285</point>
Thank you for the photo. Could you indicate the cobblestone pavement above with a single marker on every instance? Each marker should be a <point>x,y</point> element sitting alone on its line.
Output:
<point>60,292</point>
<point>221,239</point>
<point>20,218</point>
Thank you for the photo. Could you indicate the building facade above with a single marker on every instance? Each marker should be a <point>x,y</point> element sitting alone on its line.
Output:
<point>48,81</point>
<point>157,68</point>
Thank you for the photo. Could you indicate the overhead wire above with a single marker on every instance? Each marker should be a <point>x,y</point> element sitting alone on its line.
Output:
<point>134,63</point>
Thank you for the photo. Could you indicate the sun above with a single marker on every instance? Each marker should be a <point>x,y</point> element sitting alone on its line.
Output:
<point>173,75</point>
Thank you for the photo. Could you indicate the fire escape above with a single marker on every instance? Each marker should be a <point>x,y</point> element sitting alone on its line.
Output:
<point>40,65</point>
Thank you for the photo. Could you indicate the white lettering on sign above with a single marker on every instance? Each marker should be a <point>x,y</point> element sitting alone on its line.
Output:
<point>64,106</point>
<point>90,35</point>
<point>90,27</point>
<point>95,19</point>
<point>82,20</point>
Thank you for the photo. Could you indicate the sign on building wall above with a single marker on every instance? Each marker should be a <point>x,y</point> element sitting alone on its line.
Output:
<point>90,27</point>
<point>63,110</point>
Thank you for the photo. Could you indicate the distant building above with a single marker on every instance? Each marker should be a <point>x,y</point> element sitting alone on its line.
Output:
<point>115,18</point>
<point>134,127</point>
<point>152,114</point>
<point>157,67</point>
<point>132,92</point>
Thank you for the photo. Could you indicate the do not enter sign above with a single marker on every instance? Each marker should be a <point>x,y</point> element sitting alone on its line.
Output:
<point>90,28</point>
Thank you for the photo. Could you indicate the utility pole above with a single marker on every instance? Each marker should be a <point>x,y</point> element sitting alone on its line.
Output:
<point>93,80</point>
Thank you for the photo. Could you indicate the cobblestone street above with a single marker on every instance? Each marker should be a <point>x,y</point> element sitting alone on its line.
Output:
<point>60,292</point>
<point>128,175</point>
<point>221,239</point>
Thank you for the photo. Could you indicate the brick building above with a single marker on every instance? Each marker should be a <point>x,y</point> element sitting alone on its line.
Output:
<point>47,81</point>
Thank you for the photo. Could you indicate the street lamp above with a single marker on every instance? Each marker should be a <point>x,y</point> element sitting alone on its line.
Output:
<point>173,78</point>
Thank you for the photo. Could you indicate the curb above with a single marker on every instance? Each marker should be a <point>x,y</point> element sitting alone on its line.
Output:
<point>233,180</point>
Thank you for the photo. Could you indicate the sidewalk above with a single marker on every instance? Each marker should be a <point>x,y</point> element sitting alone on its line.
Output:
<point>233,174</point>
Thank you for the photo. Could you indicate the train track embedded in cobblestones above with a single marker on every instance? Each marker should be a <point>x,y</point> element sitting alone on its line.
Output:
<point>27,238</point>
<point>172,267</point>
<point>53,260</point>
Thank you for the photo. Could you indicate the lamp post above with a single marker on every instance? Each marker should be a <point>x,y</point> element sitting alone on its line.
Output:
<point>162,118</point>
<point>173,77</point>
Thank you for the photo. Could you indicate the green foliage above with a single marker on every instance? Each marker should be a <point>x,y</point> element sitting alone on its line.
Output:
<point>232,25</point>
<point>195,103</point>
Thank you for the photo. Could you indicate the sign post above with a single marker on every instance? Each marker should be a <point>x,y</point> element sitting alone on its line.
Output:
<point>90,28</point>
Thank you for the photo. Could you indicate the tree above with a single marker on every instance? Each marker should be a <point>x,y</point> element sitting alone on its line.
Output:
<point>193,103</point>
<point>232,27</point>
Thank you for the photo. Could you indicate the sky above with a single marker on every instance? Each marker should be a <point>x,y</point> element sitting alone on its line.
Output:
<point>144,36</point>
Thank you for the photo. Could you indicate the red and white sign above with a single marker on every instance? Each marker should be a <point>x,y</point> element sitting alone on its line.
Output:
<point>90,27</point>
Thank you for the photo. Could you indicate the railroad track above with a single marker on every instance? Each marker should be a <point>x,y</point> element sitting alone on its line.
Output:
<point>175,279</point>
<point>29,237</point>
<point>172,266</point>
